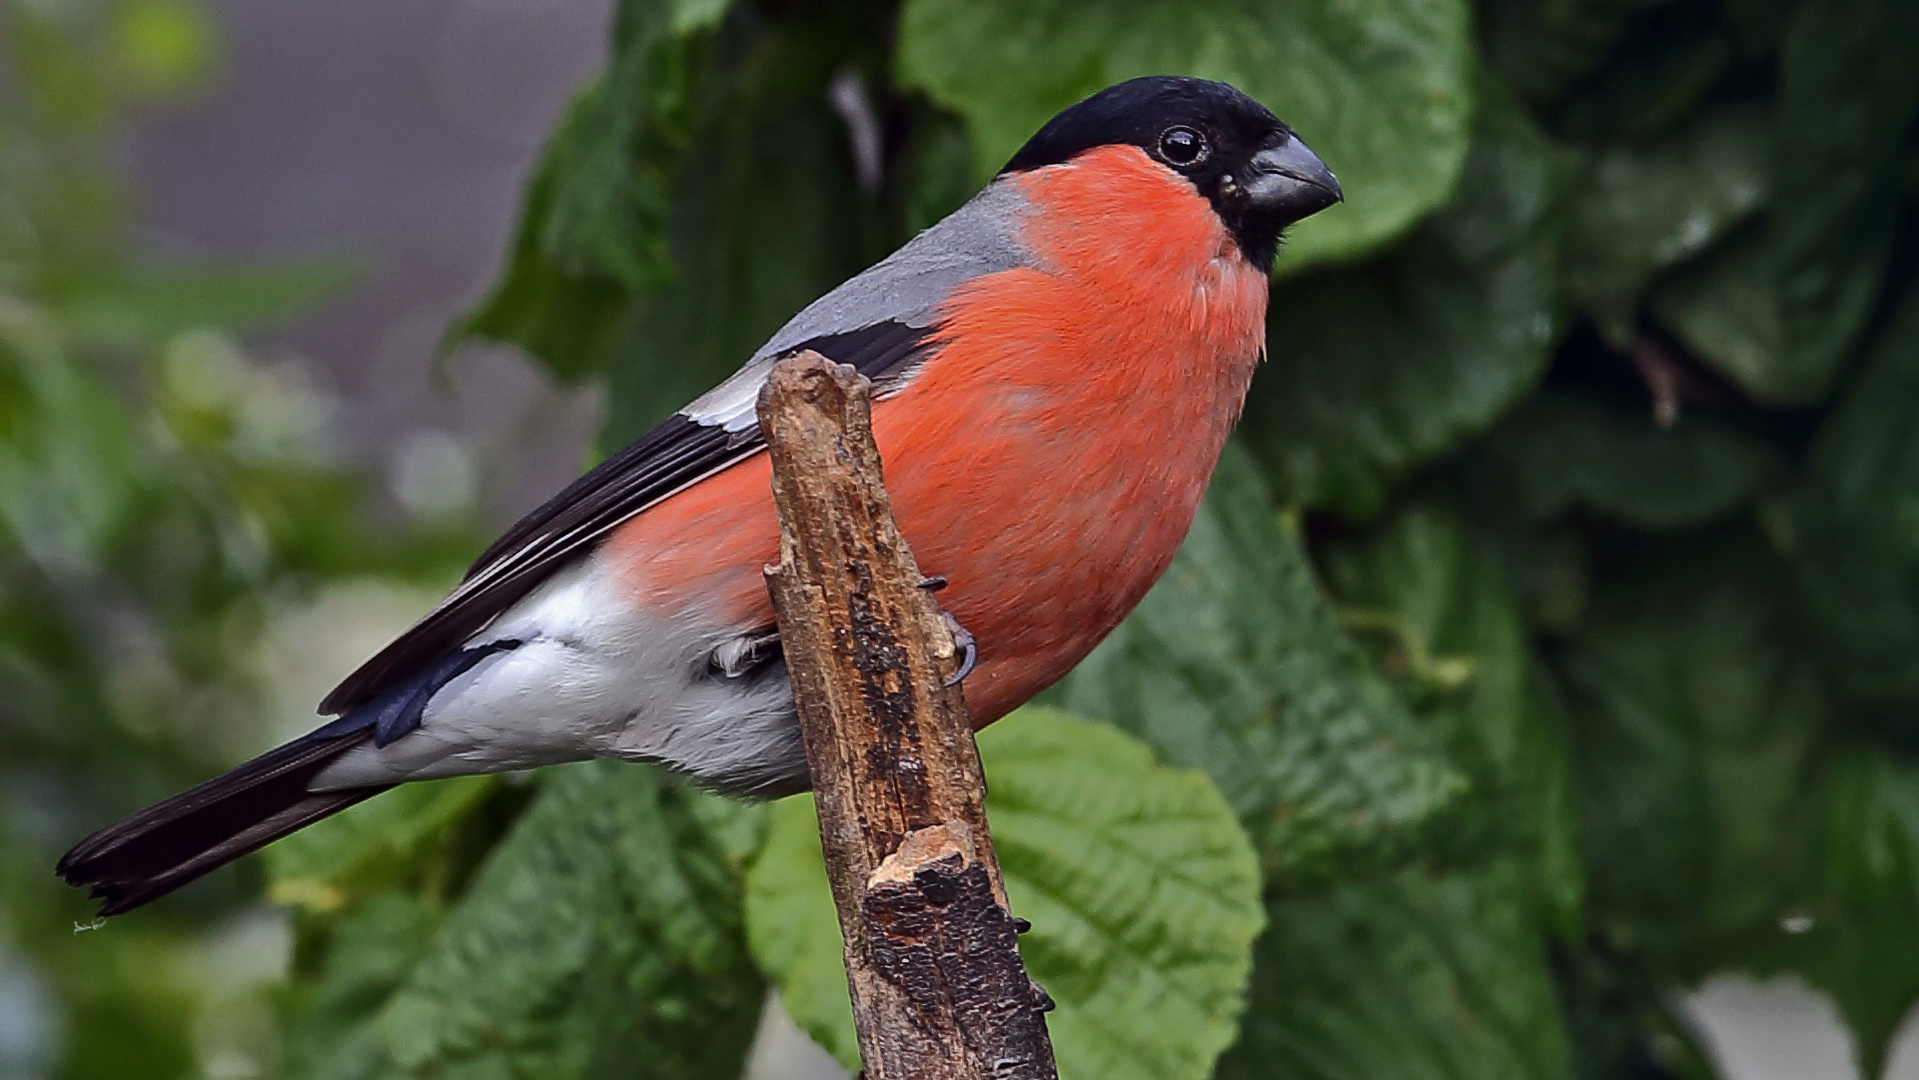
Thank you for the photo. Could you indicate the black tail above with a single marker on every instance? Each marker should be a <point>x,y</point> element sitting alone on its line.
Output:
<point>146,855</point>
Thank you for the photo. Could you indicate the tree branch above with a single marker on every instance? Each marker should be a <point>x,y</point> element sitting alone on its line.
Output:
<point>939,992</point>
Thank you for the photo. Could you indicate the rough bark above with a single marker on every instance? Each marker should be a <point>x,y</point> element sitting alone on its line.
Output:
<point>931,957</point>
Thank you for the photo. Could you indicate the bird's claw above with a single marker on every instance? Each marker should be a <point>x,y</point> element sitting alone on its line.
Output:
<point>933,582</point>
<point>967,645</point>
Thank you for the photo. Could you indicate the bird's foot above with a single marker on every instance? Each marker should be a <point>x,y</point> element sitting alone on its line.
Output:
<point>968,647</point>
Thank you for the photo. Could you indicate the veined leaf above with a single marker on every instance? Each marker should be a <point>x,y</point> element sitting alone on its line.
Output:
<point>1733,307</point>
<point>1381,89</point>
<point>332,1021</point>
<point>1142,891</point>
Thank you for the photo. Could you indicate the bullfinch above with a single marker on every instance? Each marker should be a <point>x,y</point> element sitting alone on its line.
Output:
<point>1056,366</point>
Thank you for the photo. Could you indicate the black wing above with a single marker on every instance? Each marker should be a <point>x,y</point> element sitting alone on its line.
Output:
<point>673,456</point>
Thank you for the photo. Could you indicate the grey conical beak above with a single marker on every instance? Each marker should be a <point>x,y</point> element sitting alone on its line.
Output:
<point>1291,181</point>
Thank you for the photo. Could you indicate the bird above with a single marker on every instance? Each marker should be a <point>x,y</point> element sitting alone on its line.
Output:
<point>1056,367</point>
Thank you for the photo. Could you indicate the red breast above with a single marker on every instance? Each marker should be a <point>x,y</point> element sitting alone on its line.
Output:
<point>1049,458</point>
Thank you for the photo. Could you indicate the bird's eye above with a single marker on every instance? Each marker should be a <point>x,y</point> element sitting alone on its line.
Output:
<point>1182,146</point>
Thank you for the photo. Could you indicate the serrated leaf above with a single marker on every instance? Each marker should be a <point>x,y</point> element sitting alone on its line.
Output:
<point>618,152</point>
<point>603,931</point>
<point>1142,891</point>
<point>1642,207</point>
<point>1420,975</point>
<point>1561,451</point>
<point>1232,664</point>
<point>1381,89</point>
<point>1435,601</point>
<point>1373,370</point>
<point>1850,529</point>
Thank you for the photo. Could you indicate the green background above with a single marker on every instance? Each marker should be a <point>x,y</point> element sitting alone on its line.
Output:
<point>1547,643</point>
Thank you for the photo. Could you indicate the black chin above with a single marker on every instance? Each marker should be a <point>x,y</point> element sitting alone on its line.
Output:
<point>1256,234</point>
<point>1257,227</point>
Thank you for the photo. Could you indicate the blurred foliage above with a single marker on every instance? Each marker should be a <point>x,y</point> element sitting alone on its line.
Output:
<point>1545,645</point>
<point>604,930</point>
<point>161,489</point>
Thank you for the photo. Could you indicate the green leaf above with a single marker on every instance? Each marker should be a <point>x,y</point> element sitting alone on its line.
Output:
<point>372,845</point>
<point>1863,944</point>
<point>1435,599</point>
<point>603,931</point>
<point>1642,207</point>
<point>1142,891</point>
<point>1381,89</point>
<point>1373,370</point>
<point>1778,309</point>
<point>1417,976</point>
<point>1233,664</point>
<point>1851,528</point>
<point>1561,451</point>
<point>593,231</point>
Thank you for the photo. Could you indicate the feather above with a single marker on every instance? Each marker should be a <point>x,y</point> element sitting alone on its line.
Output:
<point>153,852</point>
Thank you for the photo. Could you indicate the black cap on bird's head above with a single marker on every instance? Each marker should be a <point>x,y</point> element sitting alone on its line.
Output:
<point>1259,177</point>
